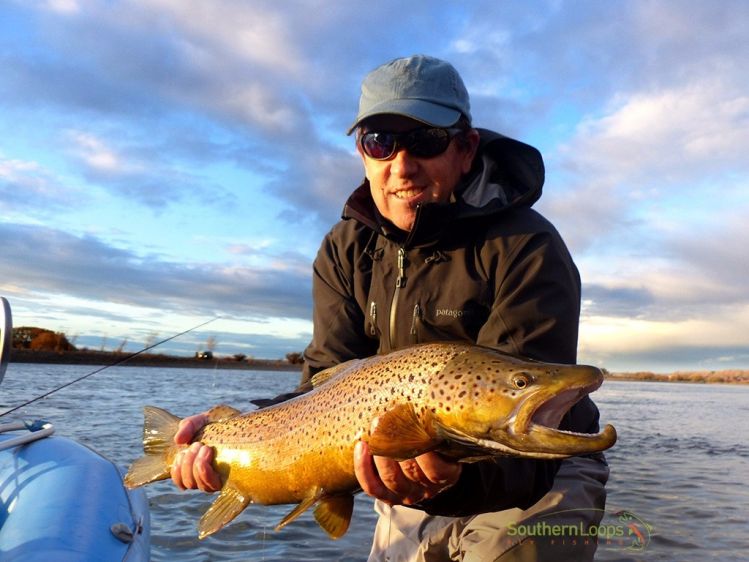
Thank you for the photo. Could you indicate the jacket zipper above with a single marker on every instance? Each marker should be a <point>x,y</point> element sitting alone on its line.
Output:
<point>399,282</point>
<point>373,319</point>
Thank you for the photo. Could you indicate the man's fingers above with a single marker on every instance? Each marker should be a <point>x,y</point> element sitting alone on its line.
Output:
<point>193,468</point>
<point>414,472</point>
<point>188,427</point>
<point>187,460</point>
<point>366,474</point>
<point>208,479</point>
<point>406,482</point>
<point>438,470</point>
<point>394,479</point>
<point>176,471</point>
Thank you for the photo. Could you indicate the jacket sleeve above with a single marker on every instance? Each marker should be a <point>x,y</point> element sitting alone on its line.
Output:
<point>338,321</point>
<point>535,313</point>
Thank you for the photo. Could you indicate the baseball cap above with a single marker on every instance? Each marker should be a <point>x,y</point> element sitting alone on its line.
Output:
<point>423,88</point>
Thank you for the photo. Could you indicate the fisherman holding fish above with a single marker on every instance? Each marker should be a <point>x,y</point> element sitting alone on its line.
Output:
<point>440,243</point>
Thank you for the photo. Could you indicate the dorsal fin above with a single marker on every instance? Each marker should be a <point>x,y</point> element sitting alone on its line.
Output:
<point>222,412</point>
<point>324,376</point>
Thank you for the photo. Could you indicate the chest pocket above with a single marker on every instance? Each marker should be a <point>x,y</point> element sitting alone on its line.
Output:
<point>439,297</point>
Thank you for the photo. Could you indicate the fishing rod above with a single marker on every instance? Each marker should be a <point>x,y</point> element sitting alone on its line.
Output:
<point>5,352</point>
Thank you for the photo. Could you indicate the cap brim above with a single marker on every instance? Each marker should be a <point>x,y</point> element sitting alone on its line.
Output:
<point>427,112</point>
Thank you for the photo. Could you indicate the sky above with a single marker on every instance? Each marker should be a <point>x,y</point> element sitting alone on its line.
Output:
<point>166,162</point>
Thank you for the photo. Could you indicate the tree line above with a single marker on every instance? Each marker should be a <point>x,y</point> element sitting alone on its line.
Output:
<point>41,339</point>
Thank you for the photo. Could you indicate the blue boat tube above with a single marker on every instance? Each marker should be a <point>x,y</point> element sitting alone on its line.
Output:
<point>61,501</point>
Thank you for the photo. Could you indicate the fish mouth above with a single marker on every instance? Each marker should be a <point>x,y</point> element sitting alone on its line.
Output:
<point>533,431</point>
<point>536,428</point>
<point>546,410</point>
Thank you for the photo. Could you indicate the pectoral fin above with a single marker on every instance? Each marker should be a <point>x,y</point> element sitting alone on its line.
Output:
<point>229,504</point>
<point>333,514</point>
<point>399,434</point>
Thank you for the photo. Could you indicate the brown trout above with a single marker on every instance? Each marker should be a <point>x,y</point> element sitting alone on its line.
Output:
<point>465,401</point>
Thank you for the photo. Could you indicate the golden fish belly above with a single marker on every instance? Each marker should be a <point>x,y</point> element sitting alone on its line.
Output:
<point>288,467</point>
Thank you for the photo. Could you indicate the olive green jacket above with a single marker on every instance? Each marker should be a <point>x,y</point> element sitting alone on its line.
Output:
<point>484,268</point>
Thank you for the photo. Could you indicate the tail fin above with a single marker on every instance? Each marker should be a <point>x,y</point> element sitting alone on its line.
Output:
<point>159,427</point>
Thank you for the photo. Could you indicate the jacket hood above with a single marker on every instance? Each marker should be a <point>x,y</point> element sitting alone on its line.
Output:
<point>506,173</point>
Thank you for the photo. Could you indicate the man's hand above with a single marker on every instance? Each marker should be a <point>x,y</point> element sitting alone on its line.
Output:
<point>406,482</point>
<point>192,467</point>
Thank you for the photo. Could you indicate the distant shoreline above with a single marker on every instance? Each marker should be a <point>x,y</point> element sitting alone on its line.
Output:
<point>147,360</point>
<point>88,357</point>
<point>699,377</point>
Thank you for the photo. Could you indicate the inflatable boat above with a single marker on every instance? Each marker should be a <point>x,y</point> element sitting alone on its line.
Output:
<point>60,500</point>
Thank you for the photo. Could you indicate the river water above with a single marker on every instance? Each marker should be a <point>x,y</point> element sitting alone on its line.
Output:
<point>680,468</point>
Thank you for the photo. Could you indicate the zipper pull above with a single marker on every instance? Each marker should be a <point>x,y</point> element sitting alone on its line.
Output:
<point>415,319</point>
<point>401,281</point>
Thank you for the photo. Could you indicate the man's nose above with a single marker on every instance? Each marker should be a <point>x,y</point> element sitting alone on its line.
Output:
<point>402,163</point>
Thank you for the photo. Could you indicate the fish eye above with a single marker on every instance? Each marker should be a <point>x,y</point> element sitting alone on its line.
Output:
<point>521,381</point>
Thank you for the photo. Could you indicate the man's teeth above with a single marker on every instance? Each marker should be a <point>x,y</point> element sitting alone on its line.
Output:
<point>408,193</point>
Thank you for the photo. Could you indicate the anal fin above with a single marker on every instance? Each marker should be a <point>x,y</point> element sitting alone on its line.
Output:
<point>227,506</point>
<point>399,434</point>
<point>333,514</point>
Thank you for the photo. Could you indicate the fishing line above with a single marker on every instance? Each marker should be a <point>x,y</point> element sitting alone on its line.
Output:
<point>100,369</point>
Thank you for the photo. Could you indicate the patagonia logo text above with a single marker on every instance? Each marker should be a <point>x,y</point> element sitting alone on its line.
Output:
<point>451,312</point>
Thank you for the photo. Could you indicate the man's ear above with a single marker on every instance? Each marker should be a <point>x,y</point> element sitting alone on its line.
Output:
<point>470,146</point>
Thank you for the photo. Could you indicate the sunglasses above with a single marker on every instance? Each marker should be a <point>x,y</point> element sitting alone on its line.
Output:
<point>425,142</point>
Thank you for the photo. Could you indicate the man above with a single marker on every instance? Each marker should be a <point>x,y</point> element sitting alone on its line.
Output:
<point>440,243</point>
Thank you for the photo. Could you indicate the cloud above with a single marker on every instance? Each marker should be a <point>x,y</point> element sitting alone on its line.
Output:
<point>224,107</point>
<point>620,343</point>
<point>28,189</point>
<point>63,6</point>
<point>85,267</point>
<point>317,184</point>
<point>624,172</point>
<point>666,137</point>
<point>95,153</point>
